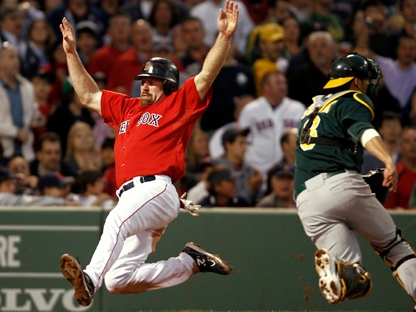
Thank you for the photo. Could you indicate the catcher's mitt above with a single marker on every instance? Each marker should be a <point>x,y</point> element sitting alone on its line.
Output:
<point>375,178</point>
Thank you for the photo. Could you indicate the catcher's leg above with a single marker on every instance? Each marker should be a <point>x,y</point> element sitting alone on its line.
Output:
<point>401,258</point>
<point>339,280</point>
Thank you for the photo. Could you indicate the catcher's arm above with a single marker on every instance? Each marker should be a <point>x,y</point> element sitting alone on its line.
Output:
<point>376,147</point>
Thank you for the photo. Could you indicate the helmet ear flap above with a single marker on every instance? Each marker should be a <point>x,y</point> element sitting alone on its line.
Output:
<point>169,87</point>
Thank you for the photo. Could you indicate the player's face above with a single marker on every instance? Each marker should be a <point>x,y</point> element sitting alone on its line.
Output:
<point>151,91</point>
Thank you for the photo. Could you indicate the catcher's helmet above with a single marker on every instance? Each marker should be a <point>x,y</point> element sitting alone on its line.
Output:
<point>350,66</point>
<point>161,68</point>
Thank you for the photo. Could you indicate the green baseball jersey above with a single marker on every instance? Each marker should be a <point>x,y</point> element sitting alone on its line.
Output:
<point>342,117</point>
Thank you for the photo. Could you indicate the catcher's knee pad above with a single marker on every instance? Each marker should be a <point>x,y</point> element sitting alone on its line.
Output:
<point>355,280</point>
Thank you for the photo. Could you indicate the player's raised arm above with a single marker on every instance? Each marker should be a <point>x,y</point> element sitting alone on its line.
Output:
<point>227,25</point>
<point>85,87</point>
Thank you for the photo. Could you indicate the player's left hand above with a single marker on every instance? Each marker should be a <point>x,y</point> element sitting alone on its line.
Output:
<point>390,177</point>
<point>68,37</point>
<point>228,19</point>
<point>189,205</point>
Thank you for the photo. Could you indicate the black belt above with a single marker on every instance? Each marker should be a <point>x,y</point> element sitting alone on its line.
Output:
<point>130,184</point>
<point>325,175</point>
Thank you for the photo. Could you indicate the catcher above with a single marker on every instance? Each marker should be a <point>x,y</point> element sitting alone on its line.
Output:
<point>333,200</point>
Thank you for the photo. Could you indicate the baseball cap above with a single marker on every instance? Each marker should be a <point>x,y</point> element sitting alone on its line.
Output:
<point>272,32</point>
<point>218,175</point>
<point>284,170</point>
<point>231,134</point>
<point>53,179</point>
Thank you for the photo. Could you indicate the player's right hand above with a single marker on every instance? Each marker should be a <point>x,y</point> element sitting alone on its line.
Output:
<point>390,177</point>
<point>68,37</point>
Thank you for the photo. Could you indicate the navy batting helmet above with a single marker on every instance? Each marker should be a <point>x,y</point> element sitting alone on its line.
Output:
<point>161,68</point>
<point>350,66</point>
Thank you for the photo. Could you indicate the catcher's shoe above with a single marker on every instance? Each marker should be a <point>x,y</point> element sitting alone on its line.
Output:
<point>205,261</point>
<point>83,286</point>
<point>329,282</point>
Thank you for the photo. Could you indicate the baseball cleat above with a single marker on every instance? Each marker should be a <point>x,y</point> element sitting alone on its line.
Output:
<point>205,261</point>
<point>329,282</point>
<point>83,286</point>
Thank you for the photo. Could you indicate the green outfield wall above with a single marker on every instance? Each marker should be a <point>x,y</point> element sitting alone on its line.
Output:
<point>271,256</point>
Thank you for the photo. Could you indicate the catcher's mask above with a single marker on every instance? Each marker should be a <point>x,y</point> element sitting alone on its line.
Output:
<point>161,68</point>
<point>350,66</point>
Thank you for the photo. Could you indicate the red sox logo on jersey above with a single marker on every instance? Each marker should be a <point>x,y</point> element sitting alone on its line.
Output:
<point>123,126</point>
<point>150,119</point>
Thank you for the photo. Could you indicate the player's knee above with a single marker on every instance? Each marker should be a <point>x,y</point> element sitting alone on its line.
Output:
<point>355,280</point>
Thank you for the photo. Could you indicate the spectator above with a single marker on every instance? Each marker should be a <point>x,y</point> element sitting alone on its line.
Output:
<point>200,190</point>
<point>196,154</point>
<point>215,142</point>
<point>249,181</point>
<point>59,67</point>
<point>125,67</point>
<point>49,156</point>
<point>406,170</point>
<point>322,51</point>
<point>9,198</point>
<point>87,40</point>
<point>400,74</point>
<point>321,18</point>
<point>271,46</point>
<point>67,113</point>
<point>282,180</point>
<point>300,9</point>
<point>390,130</point>
<point>81,154</point>
<point>11,20</point>
<point>18,109</point>
<point>288,142</point>
<point>222,190</point>
<point>374,14</point>
<point>55,187</point>
<point>42,85</point>
<point>163,17</point>
<point>25,182</point>
<point>193,35</point>
<point>233,81</point>
<point>103,59</point>
<point>90,186</point>
<point>41,38</point>
<point>210,8</point>
<point>268,117</point>
<point>77,11</point>
<point>291,27</point>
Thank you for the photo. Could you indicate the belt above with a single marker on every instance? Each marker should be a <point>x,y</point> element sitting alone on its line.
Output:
<point>129,185</point>
<point>325,175</point>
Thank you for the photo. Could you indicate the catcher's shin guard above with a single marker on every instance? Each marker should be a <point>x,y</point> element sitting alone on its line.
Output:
<point>355,280</point>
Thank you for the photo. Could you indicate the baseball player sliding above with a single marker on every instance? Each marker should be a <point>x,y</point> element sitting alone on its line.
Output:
<point>153,132</point>
<point>333,201</point>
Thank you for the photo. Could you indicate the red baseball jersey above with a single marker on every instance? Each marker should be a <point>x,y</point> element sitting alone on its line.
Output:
<point>151,140</point>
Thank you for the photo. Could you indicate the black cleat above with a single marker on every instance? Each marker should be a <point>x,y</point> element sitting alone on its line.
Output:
<point>83,286</point>
<point>205,261</point>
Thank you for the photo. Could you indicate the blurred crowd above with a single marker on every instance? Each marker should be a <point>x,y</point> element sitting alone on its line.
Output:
<point>242,153</point>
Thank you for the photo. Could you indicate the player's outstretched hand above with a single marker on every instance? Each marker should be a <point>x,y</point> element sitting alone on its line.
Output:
<point>189,205</point>
<point>68,36</point>
<point>228,19</point>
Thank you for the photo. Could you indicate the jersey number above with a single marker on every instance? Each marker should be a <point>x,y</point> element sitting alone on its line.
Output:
<point>313,133</point>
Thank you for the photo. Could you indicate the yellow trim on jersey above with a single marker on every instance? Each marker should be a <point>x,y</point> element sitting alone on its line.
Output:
<point>365,104</point>
<point>331,101</point>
